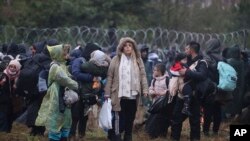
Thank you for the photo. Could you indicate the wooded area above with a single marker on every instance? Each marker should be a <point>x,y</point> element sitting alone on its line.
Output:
<point>129,14</point>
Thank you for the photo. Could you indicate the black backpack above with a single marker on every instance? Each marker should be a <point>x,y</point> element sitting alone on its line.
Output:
<point>28,77</point>
<point>161,103</point>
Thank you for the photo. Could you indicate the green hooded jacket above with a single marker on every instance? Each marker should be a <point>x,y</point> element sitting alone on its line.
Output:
<point>49,114</point>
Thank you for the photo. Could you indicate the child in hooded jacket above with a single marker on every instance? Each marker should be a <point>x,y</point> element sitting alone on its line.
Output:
<point>158,122</point>
<point>158,85</point>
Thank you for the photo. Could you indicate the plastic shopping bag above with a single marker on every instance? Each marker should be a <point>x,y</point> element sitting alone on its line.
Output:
<point>105,117</point>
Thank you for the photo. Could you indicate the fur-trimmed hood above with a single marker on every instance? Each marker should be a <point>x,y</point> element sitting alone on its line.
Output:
<point>122,42</point>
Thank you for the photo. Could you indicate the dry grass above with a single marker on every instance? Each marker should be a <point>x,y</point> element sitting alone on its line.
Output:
<point>20,133</point>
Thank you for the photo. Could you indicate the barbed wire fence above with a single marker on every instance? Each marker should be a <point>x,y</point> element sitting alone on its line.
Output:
<point>153,37</point>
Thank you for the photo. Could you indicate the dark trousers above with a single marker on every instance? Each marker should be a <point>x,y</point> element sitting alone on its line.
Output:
<point>187,90</point>
<point>37,130</point>
<point>82,123</point>
<point>194,119</point>
<point>212,113</point>
<point>5,122</point>
<point>124,119</point>
<point>78,119</point>
<point>32,112</point>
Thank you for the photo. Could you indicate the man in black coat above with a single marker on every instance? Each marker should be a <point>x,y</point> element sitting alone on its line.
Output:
<point>196,76</point>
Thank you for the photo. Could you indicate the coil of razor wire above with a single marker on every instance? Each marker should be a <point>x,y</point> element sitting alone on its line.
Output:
<point>153,37</point>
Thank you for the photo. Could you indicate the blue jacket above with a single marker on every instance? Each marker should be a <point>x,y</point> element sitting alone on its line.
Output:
<point>77,73</point>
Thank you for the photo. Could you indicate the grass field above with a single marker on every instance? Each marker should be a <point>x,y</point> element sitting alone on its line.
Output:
<point>21,133</point>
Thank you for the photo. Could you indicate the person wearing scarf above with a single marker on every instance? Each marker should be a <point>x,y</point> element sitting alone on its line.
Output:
<point>13,70</point>
<point>126,83</point>
<point>7,95</point>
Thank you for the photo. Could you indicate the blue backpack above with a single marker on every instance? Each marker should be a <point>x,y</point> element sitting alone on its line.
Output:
<point>227,76</point>
<point>42,83</point>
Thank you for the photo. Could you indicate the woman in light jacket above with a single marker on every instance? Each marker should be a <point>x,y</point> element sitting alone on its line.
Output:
<point>126,82</point>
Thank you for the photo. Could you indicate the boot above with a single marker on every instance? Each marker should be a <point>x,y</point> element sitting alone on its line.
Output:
<point>40,130</point>
<point>127,138</point>
<point>206,134</point>
<point>81,136</point>
<point>64,139</point>
<point>53,140</point>
<point>186,107</point>
<point>116,138</point>
<point>33,131</point>
<point>72,138</point>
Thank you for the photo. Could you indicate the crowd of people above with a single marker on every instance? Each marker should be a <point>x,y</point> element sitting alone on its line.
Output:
<point>34,83</point>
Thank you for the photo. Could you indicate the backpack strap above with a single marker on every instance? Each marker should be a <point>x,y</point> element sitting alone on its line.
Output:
<point>51,64</point>
<point>192,67</point>
<point>203,60</point>
<point>166,81</point>
<point>154,82</point>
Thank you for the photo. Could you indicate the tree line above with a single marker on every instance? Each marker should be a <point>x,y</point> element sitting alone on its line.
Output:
<point>128,14</point>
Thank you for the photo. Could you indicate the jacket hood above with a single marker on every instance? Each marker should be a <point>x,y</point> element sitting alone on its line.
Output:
<point>89,48</point>
<point>13,50</point>
<point>144,48</point>
<point>57,52</point>
<point>233,52</point>
<point>22,48</point>
<point>52,42</point>
<point>39,46</point>
<point>213,46</point>
<point>121,44</point>
<point>212,52</point>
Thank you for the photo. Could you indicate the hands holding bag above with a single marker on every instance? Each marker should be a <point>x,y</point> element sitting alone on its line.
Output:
<point>105,116</point>
<point>70,96</point>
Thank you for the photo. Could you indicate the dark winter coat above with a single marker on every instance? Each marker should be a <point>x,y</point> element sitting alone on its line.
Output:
<point>35,99</point>
<point>85,79</point>
<point>199,76</point>
<point>236,105</point>
<point>95,70</point>
<point>13,50</point>
<point>213,56</point>
<point>6,94</point>
<point>39,46</point>
<point>201,70</point>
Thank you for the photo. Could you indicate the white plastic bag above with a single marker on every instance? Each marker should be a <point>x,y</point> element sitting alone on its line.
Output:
<point>105,117</point>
